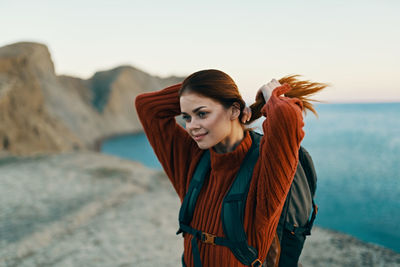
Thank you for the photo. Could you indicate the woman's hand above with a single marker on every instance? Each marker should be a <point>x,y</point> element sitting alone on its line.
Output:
<point>267,89</point>
<point>246,114</point>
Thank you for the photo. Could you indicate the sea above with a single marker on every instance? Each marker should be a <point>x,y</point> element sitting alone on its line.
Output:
<point>356,153</point>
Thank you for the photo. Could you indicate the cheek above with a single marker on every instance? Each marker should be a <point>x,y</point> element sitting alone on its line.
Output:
<point>218,126</point>
<point>213,122</point>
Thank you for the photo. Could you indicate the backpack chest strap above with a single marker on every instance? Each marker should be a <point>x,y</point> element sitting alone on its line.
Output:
<point>212,240</point>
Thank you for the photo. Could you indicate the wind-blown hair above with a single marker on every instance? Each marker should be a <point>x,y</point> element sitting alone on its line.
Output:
<point>219,86</point>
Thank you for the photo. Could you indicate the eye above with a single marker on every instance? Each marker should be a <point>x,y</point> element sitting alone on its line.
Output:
<point>202,114</point>
<point>186,118</point>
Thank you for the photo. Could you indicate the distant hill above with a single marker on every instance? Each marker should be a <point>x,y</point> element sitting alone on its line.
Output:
<point>43,112</point>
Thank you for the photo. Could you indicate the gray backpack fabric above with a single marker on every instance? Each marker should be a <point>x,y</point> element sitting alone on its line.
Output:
<point>298,214</point>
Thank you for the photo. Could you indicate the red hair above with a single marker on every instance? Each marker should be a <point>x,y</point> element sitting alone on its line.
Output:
<point>220,86</point>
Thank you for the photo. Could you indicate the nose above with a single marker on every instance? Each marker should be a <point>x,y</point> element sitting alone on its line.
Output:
<point>192,125</point>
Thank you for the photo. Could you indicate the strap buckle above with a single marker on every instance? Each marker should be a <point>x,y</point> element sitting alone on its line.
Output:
<point>208,238</point>
<point>256,263</point>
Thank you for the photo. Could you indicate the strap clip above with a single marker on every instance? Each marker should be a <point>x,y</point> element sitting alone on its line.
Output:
<point>208,238</point>
<point>256,263</point>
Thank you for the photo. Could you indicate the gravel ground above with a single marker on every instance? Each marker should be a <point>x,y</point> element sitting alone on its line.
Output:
<point>89,209</point>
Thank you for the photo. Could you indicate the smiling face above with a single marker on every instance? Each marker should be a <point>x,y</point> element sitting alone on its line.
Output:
<point>207,121</point>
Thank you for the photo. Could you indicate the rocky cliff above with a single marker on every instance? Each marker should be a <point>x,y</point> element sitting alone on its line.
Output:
<point>42,112</point>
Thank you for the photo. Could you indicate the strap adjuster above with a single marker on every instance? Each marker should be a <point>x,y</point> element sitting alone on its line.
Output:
<point>208,238</point>
<point>256,263</point>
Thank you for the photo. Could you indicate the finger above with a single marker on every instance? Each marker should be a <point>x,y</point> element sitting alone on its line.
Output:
<point>244,117</point>
<point>248,114</point>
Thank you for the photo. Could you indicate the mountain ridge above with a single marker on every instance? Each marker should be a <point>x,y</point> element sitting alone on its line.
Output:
<point>42,112</point>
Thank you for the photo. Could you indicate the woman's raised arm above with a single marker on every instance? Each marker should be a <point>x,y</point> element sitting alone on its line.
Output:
<point>283,133</point>
<point>172,145</point>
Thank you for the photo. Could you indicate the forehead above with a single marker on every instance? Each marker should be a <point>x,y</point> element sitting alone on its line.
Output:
<point>191,101</point>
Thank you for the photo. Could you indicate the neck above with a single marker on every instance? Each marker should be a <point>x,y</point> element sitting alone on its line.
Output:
<point>232,140</point>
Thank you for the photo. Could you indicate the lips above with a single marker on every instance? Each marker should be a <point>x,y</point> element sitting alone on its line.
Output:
<point>198,137</point>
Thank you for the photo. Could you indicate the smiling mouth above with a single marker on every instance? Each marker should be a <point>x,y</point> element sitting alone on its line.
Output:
<point>199,137</point>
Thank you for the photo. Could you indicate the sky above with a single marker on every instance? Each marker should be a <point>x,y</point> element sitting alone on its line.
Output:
<point>352,45</point>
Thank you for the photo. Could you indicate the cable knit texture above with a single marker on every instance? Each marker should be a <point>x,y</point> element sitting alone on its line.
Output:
<point>272,176</point>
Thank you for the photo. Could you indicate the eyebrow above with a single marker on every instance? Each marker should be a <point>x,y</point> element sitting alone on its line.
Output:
<point>195,110</point>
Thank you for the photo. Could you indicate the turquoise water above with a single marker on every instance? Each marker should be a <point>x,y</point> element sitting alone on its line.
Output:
<point>356,151</point>
<point>134,147</point>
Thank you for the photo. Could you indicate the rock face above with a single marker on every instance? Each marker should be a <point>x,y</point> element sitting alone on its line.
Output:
<point>25,124</point>
<point>42,112</point>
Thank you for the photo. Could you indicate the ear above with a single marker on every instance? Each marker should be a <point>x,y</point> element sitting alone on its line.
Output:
<point>235,109</point>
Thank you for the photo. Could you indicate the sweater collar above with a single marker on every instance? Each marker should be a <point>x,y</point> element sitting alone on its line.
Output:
<point>231,161</point>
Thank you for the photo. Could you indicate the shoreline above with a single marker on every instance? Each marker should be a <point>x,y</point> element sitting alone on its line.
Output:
<point>97,149</point>
<point>85,209</point>
<point>99,141</point>
<point>324,227</point>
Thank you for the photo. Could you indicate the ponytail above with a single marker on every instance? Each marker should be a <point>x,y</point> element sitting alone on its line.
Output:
<point>300,89</point>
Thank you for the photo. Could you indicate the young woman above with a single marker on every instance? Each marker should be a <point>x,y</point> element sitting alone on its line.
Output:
<point>215,116</point>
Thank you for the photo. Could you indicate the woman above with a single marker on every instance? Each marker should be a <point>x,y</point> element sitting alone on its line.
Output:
<point>215,116</point>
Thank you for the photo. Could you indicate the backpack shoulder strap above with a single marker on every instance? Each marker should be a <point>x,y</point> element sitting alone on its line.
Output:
<point>309,169</point>
<point>234,203</point>
<point>189,202</point>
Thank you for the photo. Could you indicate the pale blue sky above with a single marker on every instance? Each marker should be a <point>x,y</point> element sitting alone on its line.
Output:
<point>354,45</point>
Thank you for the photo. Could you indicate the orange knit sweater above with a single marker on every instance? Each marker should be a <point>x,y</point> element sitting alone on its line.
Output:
<point>273,172</point>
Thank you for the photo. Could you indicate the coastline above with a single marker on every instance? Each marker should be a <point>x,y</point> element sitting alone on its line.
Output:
<point>91,209</point>
<point>99,141</point>
<point>359,237</point>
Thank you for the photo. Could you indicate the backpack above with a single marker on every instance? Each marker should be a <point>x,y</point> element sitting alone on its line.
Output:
<point>294,223</point>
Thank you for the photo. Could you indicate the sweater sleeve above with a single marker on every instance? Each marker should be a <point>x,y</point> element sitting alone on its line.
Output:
<point>170,142</point>
<point>283,133</point>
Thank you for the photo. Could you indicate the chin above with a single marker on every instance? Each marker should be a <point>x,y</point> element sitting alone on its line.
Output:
<point>202,146</point>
